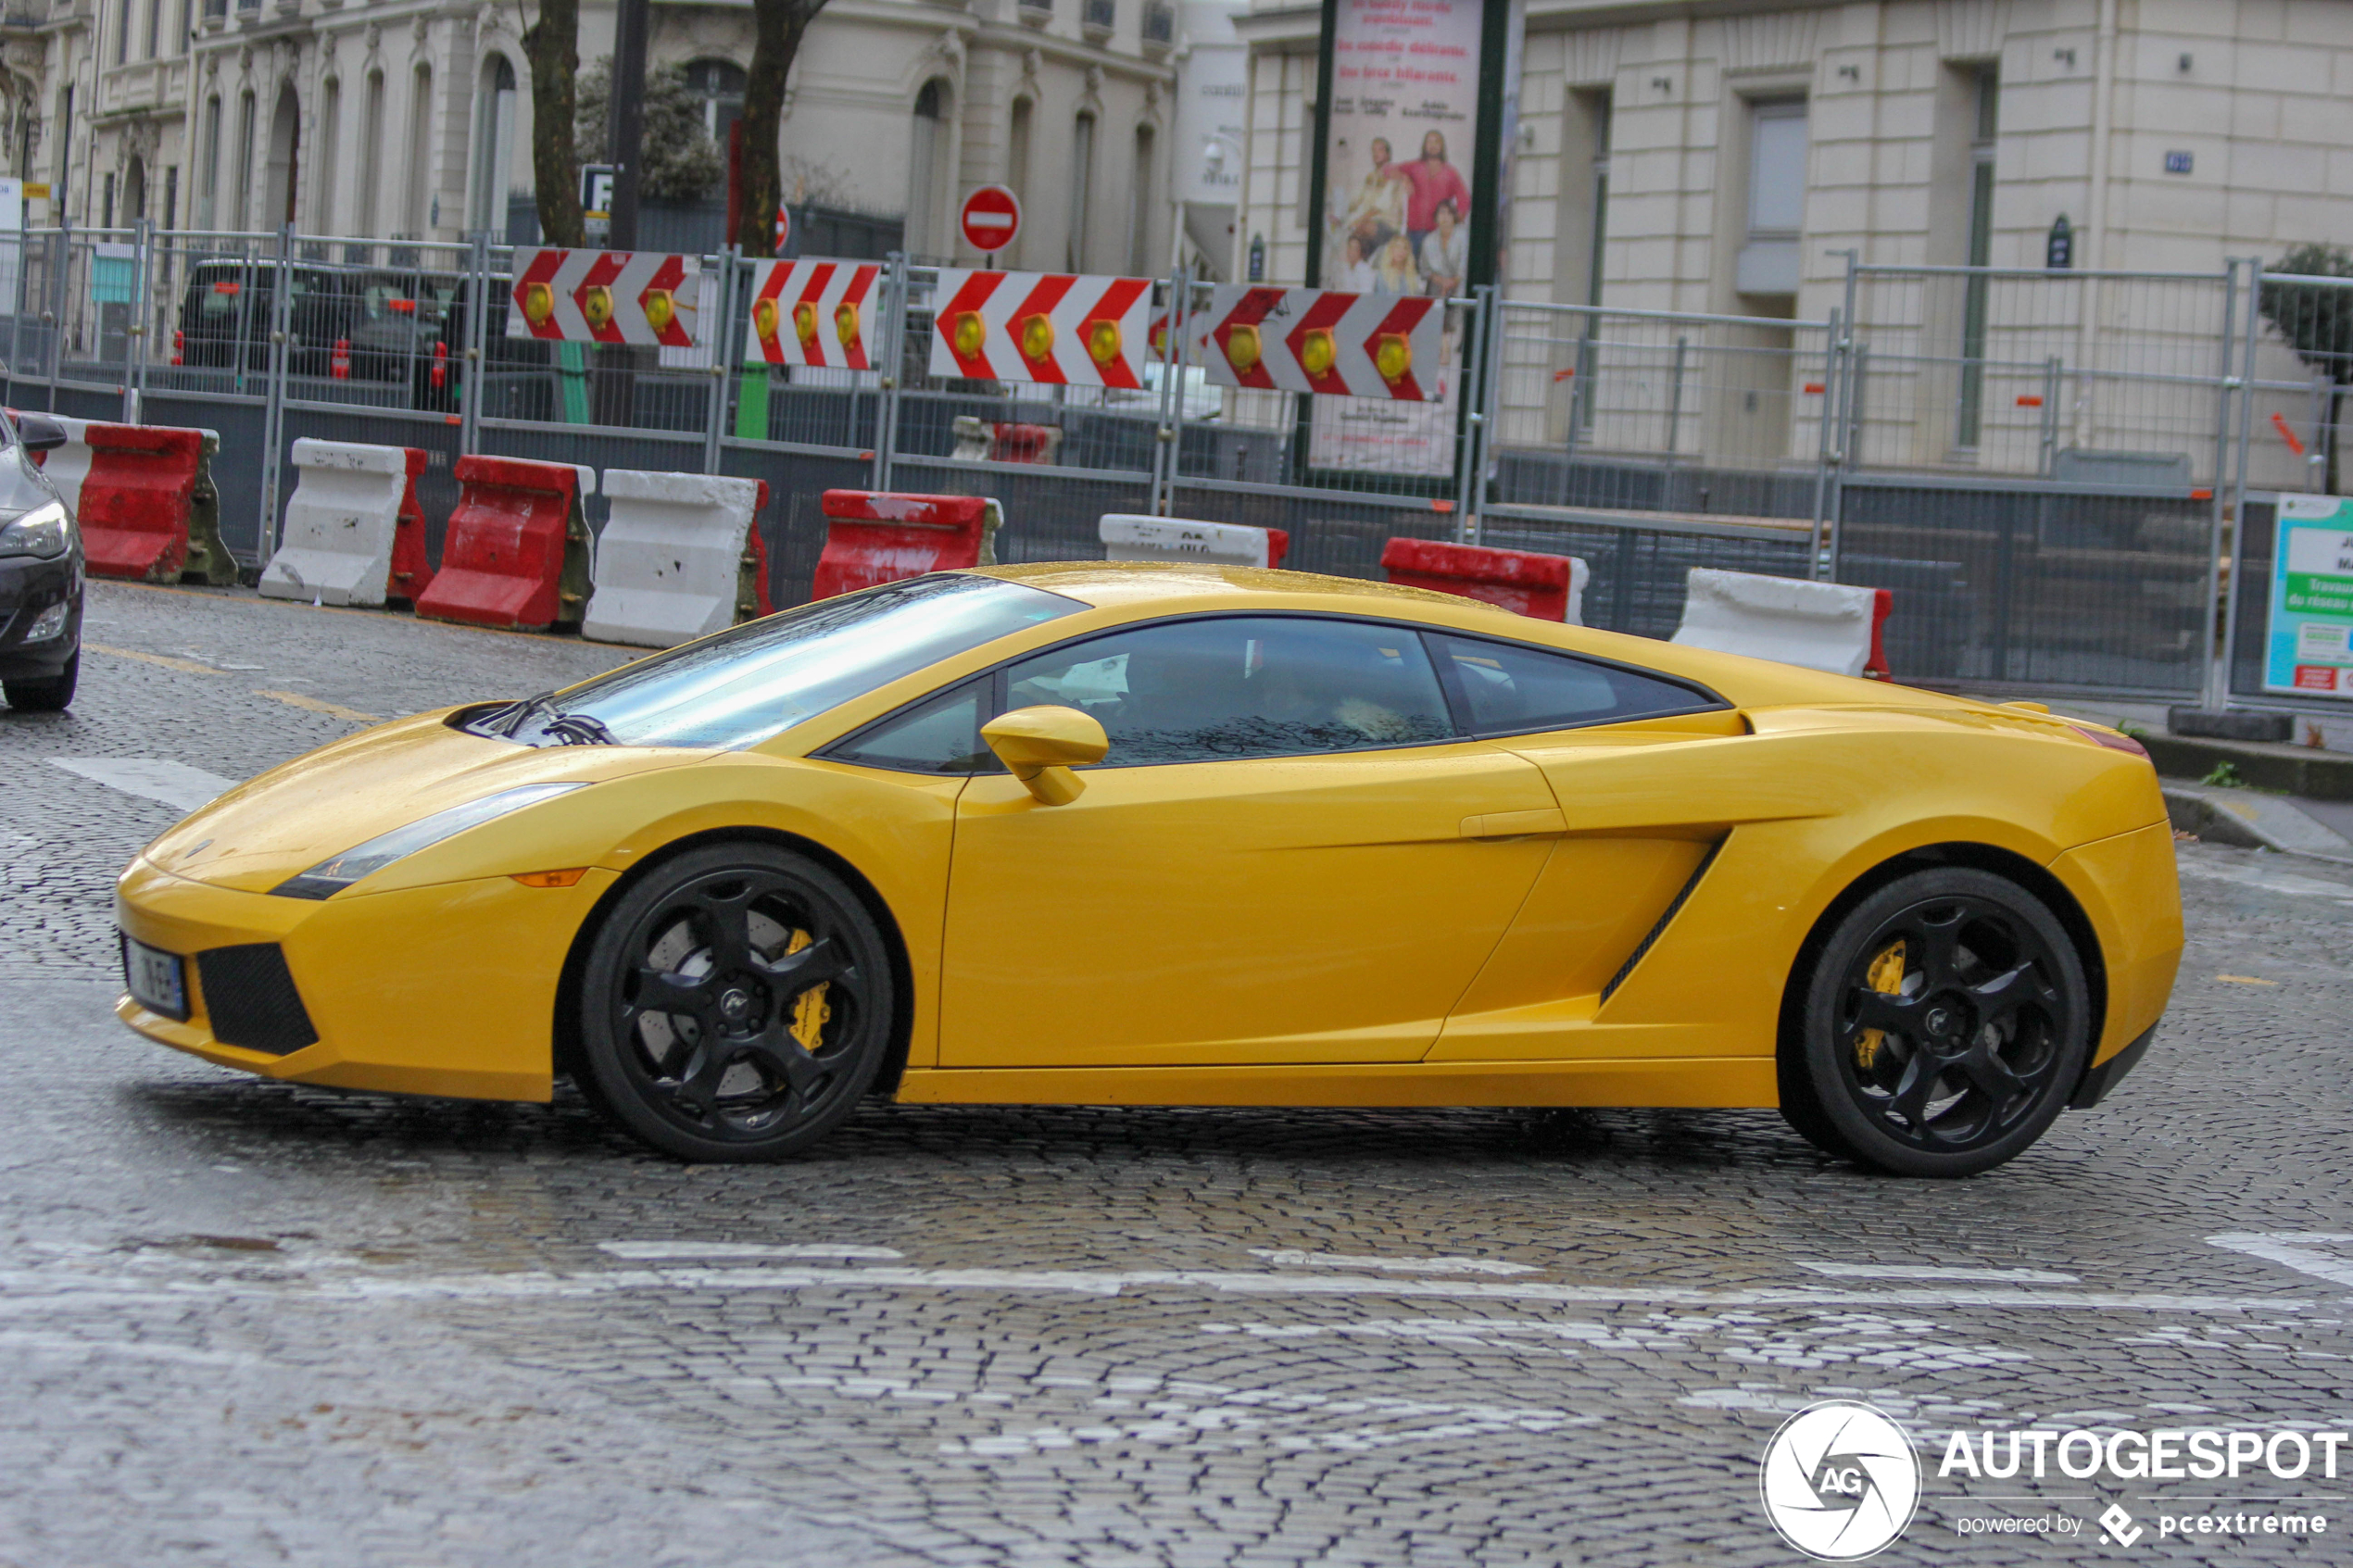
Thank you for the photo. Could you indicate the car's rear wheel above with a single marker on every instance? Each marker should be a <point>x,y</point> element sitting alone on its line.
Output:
<point>1943,1026</point>
<point>735,1003</point>
<point>48,694</point>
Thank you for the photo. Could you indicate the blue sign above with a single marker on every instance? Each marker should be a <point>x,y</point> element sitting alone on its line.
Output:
<point>2307,648</point>
<point>2177,163</point>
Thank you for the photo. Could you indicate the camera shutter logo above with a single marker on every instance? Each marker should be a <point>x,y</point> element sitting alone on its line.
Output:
<point>1840,1481</point>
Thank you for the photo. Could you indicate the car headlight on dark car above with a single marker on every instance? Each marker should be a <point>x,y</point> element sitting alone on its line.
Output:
<point>331,876</point>
<point>45,533</point>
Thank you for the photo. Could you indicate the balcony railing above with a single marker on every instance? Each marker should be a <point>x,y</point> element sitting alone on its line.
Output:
<point>1036,13</point>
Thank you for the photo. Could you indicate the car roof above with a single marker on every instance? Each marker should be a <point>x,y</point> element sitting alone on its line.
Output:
<point>1108,583</point>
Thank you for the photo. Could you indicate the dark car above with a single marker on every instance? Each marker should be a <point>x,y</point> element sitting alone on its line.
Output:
<point>40,574</point>
<point>225,315</point>
<point>411,329</point>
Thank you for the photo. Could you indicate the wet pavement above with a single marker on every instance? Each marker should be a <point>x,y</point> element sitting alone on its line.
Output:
<point>244,1322</point>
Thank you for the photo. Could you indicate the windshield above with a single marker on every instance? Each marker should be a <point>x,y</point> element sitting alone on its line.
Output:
<point>740,687</point>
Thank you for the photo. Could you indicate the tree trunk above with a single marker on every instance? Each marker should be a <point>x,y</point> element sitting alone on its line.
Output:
<point>778,26</point>
<point>553,46</point>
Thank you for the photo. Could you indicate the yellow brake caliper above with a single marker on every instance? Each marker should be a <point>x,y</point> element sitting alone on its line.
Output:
<point>809,1010</point>
<point>1886,974</point>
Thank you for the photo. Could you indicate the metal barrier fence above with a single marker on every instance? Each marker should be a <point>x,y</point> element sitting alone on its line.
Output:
<point>2044,466</point>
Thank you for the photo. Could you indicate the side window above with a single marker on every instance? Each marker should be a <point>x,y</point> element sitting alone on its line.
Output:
<point>940,734</point>
<point>1510,687</point>
<point>1231,687</point>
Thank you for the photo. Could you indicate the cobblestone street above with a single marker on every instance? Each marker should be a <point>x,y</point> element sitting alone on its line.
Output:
<point>247,1323</point>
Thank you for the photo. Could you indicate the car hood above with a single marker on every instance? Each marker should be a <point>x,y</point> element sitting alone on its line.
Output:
<point>291,817</point>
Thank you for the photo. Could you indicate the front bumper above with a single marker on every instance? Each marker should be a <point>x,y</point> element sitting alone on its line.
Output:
<point>27,587</point>
<point>447,989</point>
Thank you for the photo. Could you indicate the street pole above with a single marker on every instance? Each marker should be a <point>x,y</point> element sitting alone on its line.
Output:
<point>625,149</point>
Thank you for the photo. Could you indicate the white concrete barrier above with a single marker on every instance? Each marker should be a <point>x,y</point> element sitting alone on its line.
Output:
<point>667,567</point>
<point>1828,626</point>
<point>68,465</point>
<point>341,521</point>
<point>1128,536</point>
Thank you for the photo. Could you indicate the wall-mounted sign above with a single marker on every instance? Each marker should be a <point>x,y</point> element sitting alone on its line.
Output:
<point>596,190</point>
<point>2307,647</point>
<point>2177,163</point>
<point>2059,251</point>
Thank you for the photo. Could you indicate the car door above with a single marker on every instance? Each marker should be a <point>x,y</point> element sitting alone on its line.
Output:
<point>1288,855</point>
<point>1651,774</point>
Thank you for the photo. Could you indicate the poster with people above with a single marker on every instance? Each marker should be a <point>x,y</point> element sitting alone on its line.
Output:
<point>1400,158</point>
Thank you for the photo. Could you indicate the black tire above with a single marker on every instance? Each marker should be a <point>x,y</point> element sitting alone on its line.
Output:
<point>1965,1065</point>
<point>693,989</point>
<point>52,694</point>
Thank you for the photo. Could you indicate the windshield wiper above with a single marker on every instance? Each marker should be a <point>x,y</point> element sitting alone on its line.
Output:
<point>579,729</point>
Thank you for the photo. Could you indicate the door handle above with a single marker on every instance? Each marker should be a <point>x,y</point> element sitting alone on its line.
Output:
<point>1515,824</point>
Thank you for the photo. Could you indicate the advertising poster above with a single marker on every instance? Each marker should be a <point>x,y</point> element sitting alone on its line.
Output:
<point>1400,163</point>
<point>2306,650</point>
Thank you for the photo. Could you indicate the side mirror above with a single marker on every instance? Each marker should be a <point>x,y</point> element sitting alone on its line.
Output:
<point>1040,747</point>
<point>39,432</point>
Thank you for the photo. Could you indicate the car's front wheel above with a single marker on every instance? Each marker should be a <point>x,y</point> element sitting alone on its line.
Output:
<point>1943,1026</point>
<point>48,694</point>
<point>735,1004</point>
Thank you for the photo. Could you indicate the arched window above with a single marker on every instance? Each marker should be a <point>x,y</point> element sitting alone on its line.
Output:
<point>241,195</point>
<point>322,206</point>
<point>928,171</point>
<point>371,141</point>
<point>1082,188</point>
<point>719,86</point>
<point>494,144</point>
<point>134,190</point>
<point>1140,209</point>
<point>208,165</point>
<point>417,210</point>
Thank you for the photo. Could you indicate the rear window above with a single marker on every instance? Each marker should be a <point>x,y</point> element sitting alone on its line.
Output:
<point>1507,688</point>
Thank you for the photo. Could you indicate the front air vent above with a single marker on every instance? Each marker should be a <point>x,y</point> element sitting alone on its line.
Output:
<point>250,998</point>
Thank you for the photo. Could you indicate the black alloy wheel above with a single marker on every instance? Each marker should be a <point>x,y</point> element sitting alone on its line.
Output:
<point>735,1005</point>
<point>52,694</point>
<point>1945,1023</point>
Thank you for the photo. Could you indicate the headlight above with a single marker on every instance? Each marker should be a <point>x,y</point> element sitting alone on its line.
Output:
<point>332,876</point>
<point>45,533</point>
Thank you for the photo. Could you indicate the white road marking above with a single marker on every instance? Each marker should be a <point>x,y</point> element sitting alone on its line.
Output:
<point>1926,1271</point>
<point>2268,879</point>
<point>153,778</point>
<point>2296,1249</point>
<point>661,1251</point>
<point>1285,1259</point>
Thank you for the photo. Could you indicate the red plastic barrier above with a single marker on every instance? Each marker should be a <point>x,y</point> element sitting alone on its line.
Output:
<point>1875,668</point>
<point>1522,581</point>
<point>411,573</point>
<point>1025,444</point>
<point>756,565</point>
<point>1277,546</point>
<point>503,560</point>
<point>879,536</point>
<point>135,501</point>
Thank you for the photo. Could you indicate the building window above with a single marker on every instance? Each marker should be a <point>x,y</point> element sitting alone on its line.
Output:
<point>242,194</point>
<point>171,196</point>
<point>1017,149</point>
<point>1768,261</point>
<point>1082,187</point>
<point>1988,85</point>
<point>154,27</point>
<point>927,170</point>
<point>420,153</point>
<point>122,33</point>
<point>494,143</point>
<point>209,169</point>
<point>1141,207</point>
<point>719,86</point>
<point>330,151</point>
<point>105,204</point>
<point>371,141</point>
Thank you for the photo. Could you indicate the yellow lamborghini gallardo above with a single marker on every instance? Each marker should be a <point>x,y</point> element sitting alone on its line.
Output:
<point>1142,833</point>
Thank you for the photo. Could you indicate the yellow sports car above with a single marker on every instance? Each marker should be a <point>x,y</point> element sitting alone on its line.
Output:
<point>1149,834</point>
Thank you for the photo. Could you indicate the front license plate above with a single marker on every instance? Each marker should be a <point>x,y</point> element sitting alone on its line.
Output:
<point>156,979</point>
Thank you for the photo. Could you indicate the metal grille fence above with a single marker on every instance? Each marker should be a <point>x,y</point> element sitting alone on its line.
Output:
<point>2043,466</point>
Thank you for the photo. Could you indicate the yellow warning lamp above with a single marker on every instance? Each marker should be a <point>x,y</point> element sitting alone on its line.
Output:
<point>660,309</point>
<point>1392,356</point>
<point>538,303</point>
<point>1102,342</point>
<point>971,335</point>
<point>764,320</point>
<point>845,322</point>
<point>1037,338</point>
<point>1317,353</point>
<point>804,323</point>
<point>1160,341</point>
<point>595,304</point>
<point>1241,349</point>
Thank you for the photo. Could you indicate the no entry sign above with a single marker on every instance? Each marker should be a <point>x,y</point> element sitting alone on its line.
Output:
<point>991,218</point>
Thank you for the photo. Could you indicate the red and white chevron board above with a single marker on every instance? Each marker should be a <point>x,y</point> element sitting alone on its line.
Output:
<point>1047,327</point>
<point>1316,339</point>
<point>812,313</point>
<point>605,296</point>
